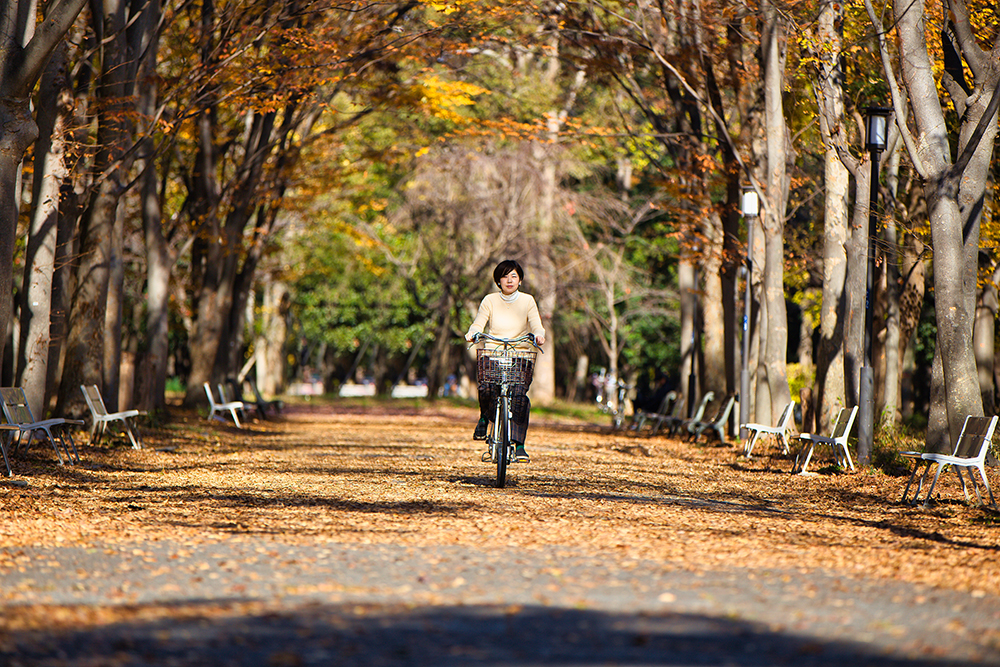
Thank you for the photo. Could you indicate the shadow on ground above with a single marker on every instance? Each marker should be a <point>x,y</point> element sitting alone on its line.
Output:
<point>320,634</point>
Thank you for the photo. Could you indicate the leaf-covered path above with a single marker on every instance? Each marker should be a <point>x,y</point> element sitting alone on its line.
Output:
<point>372,535</point>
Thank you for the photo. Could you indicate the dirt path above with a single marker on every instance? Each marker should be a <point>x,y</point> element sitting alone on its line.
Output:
<point>373,536</point>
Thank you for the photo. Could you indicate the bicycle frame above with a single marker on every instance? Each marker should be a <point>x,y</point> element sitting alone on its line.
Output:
<point>501,446</point>
<point>508,365</point>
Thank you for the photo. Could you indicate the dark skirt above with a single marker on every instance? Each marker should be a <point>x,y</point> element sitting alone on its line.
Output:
<point>520,404</point>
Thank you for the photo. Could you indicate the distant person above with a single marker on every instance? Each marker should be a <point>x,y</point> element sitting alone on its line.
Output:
<point>508,313</point>
<point>651,400</point>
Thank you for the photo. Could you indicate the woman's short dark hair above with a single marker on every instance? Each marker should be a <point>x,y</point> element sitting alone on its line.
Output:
<point>505,267</point>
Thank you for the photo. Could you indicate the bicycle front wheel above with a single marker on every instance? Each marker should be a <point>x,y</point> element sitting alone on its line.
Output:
<point>502,427</point>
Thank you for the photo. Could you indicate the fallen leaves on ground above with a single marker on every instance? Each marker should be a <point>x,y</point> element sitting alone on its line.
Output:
<point>413,476</point>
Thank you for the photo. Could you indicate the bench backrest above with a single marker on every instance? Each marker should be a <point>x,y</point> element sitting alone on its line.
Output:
<point>724,409</point>
<point>786,416</point>
<point>678,410</point>
<point>667,404</point>
<point>211,398</point>
<point>94,401</point>
<point>975,438</point>
<point>844,422</point>
<point>705,400</point>
<point>15,406</point>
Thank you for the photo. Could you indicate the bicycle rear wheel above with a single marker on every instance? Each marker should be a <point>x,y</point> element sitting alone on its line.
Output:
<point>502,431</point>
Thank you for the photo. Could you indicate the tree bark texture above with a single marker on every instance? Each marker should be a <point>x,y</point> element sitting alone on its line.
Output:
<point>778,154</point>
<point>687,285</point>
<point>955,193</point>
<point>101,230</point>
<point>984,342</point>
<point>856,287</point>
<point>41,250</point>
<point>830,369</point>
<point>270,349</point>
<point>24,51</point>
<point>889,360</point>
<point>152,373</point>
<point>713,342</point>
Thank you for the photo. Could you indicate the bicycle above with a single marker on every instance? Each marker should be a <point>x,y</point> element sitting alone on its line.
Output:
<point>606,400</point>
<point>504,366</point>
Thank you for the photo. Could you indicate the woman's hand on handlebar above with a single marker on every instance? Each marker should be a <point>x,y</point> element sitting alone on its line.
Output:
<point>528,337</point>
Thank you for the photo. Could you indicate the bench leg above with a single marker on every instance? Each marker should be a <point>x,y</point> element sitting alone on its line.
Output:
<point>52,441</point>
<point>3,449</point>
<point>132,435</point>
<point>986,483</point>
<point>805,463</point>
<point>965,489</point>
<point>913,475</point>
<point>75,456</point>
<point>930,491</point>
<point>847,455</point>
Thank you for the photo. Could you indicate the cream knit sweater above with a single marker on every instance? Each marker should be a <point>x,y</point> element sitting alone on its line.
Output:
<point>508,319</point>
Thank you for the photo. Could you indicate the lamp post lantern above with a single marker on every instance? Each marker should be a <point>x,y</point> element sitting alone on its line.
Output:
<point>750,207</point>
<point>876,125</point>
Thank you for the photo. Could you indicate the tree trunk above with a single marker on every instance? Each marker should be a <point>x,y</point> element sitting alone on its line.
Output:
<point>151,380</point>
<point>113,314</point>
<point>687,286</point>
<point>887,344</point>
<point>712,311</point>
<point>23,55</point>
<point>63,285</point>
<point>441,348</point>
<point>761,392</point>
<point>220,315</point>
<point>730,276</point>
<point>830,367</point>
<point>41,250</point>
<point>206,262</point>
<point>270,349</point>
<point>954,190</point>
<point>830,378</point>
<point>984,342</point>
<point>18,131</point>
<point>911,300</point>
<point>543,387</point>
<point>953,281</point>
<point>856,286</point>
<point>778,154</point>
<point>159,263</point>
<point>101,230</point>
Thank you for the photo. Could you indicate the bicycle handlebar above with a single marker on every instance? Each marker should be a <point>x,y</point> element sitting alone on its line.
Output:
<point>508,342</point>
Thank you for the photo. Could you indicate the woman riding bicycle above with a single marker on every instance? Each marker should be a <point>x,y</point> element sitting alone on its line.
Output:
<point>508,314</point>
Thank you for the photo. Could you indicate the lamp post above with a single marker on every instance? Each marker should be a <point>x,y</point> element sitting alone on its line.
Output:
<point>876,123</point>
<point>750,207</point>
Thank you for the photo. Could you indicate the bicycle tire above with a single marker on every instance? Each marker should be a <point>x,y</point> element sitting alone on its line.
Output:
<point>502,425</point>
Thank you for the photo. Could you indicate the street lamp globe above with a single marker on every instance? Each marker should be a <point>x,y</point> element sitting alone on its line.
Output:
<point>876,125</point>
<point>750,204</point>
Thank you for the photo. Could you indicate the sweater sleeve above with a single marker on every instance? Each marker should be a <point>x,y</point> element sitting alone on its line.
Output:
<point>535,320</point>
<point>482,317</point>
